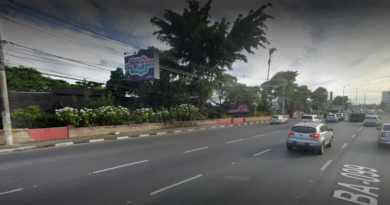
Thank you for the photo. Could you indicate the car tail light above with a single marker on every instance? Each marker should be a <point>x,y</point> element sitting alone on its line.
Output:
<point>277,119</point>
<point>315,135</point>
<point>300,119</point>
<point>383,134</point>
<point>290,133</point>
<point>365,118</point>
<point>311,120</point>
<point>376,119</point>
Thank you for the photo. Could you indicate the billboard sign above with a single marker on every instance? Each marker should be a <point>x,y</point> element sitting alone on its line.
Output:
<point>142,67</point>
<point>239,107</point>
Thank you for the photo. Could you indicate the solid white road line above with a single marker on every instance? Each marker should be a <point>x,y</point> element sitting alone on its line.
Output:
<point>234,141</point>
<point>7,192</point>
<point>262,152</point>
<point>353,136</point>
<point>326,164</point>
<point>277,131</point>
<point>195,150</point>
<point>345,145</point>
<point>259,135</point>
<point>177,184</point>
<point>125,165</point>
<point>161,133</point>
<point>123,137</point>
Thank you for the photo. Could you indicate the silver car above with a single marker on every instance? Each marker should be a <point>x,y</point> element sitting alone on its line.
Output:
<point>373,120</point>
<point>384,135</point>
<point>310,136</point>
<point>310,118</point>
<point>331,118</point>
<point>278,119</point>
<point>340,116</point>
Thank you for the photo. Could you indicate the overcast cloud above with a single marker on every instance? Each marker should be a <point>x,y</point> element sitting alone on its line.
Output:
<point>330,43</point>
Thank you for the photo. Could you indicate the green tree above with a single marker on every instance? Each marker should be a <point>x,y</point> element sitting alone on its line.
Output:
<point>382,105</point>
<point>223,86</point>
<point>338,100</point>
<point>88,84</point>
<point>207,49</point>
<point>31,80</point>
<point>319,97</point>
<point>117,84</point>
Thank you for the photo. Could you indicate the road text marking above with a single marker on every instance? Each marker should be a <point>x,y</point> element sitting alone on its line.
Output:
<point>7,192</point>
<point>262,152</point>
<point>195,150</point>
<point>177,184</point>
<point>234,141</point>
<point>125,165</point>
<point>326,164</point>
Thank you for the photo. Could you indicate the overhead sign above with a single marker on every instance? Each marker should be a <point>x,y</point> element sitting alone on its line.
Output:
<point>142,67</point>
<point>239,107</point>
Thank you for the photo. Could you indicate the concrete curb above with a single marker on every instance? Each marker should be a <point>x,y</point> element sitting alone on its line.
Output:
<point>127,137</point>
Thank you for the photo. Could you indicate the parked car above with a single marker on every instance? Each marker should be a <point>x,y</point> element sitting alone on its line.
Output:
<point>310,118</point>
<point>372,120</point>
<point>341,116</point>
<point>278,119</point>
<point>310,136</point>
<point>331,118</point>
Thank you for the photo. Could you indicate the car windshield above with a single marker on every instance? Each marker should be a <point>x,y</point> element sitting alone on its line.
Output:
<point>386,127</point>
<point>275,116</point>
<point>303,129</point>
<point>307,117</point>
<point>371,118</point>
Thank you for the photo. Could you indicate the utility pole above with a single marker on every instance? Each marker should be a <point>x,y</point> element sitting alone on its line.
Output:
<point>284,97</point>
<point>343,99</point>
<point>356,96</point>
<point>5,112</point>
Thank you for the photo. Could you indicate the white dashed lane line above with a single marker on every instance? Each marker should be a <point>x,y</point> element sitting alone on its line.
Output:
<point>8,192</point>
<point>360,129</point>
<point>259,135</point>
<point>125,165</point>
<point>195,150</point>
<point>177,184</point>
<point>326,164</point>
<point>234,141</point>
<point>277,131</point>
<point>262,152</point>
<point>345,145</point>
<point>353,136</point>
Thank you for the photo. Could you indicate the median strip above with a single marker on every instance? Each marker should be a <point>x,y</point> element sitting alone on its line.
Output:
<point>262,152</point>
<point>195,150</point>
<point>234,141</point>
<point>177,184</point>
<point>125,165</point>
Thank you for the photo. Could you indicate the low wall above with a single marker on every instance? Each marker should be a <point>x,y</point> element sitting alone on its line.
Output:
<point>253,119</point>
<point>18,135</point>
<point>104,130</point>
<point>224,121</point>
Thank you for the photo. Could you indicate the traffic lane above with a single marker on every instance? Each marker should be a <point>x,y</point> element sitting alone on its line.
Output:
<point>298,170</point>
<point>161,172</point>
<point>54,168</point>
<point>344,175</point>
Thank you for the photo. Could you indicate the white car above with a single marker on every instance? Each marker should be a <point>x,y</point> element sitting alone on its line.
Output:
<point>310,118</point>
<point>278,119</point>
<point>371,112</point>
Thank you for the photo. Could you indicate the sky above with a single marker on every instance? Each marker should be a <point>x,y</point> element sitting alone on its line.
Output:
<point>339,45</point>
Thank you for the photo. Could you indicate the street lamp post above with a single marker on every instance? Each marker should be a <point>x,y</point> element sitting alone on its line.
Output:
<point>343,98</point>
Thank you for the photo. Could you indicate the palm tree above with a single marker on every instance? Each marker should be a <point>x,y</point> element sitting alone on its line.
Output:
<point>270,51</point>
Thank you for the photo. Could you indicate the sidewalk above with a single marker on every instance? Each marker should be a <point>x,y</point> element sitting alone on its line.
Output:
<point>100,138</point>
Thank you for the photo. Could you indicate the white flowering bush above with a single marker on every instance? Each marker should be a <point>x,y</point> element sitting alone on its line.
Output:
<point>105,115</point>
<point>144,115</point>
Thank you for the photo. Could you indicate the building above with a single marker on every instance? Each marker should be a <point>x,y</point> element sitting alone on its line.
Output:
<point>386,96</point>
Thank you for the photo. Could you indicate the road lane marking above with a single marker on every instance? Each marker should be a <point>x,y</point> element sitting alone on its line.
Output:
<point>360,129</point>
<point>259,135</point>
<point>97,140</point>
<point>64,144</point>
<point>123,137</point>
<point>125,165</point>
<point>234,141</point>
<point>176,131</point>
<point>277,131</point>
<point>8,192</point>
<point>177,184</point>
<point>262,152</point>
<point>345,145</point>
<point>326,164</point>
<point>161,133</point>
<point>353,136</point>
<point>195,150</point>
<point>144,135</point>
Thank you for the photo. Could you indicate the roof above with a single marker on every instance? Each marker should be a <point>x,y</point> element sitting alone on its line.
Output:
<point>312,124</point>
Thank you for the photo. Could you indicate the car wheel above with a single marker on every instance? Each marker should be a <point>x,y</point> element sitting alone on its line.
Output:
<point>290,147</point>
<point>331,142</point>
<point>321,150</point>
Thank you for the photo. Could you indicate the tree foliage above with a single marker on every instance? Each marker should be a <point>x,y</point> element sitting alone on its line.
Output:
<point>117,84</point>
<point>30,80</point>
<point>319,96</point>
<point>207,49</point>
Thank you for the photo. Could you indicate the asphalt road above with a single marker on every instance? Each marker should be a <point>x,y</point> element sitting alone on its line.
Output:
<point>233,165</point>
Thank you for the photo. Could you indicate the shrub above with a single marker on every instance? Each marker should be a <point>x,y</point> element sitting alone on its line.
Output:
<point>24,118</point>
<point>45,120</point>
<point>224,116</point>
